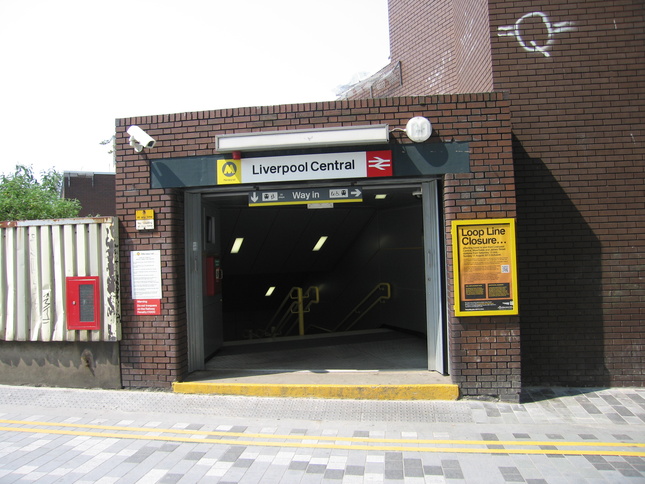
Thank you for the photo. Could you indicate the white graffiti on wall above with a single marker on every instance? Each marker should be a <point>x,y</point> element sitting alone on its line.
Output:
<point>532,46</point>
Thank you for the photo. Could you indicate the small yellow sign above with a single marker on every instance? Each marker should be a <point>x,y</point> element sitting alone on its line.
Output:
<point>145,219</point>
<point>229,172</point>
<point>145,214</point>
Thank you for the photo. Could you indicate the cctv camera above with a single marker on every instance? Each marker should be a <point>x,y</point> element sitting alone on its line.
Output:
<point>139,139</point>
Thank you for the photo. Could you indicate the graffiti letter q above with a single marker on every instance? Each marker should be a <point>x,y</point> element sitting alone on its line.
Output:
<point>532,46</point>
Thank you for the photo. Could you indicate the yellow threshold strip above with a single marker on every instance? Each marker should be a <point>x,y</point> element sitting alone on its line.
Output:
<point>354,392</point>
<point>307,441</point>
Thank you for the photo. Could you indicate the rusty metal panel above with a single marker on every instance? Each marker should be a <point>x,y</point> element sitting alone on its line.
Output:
<point>35,259</point>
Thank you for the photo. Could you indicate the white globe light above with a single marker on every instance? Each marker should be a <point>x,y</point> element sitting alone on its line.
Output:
<point>418,129</point>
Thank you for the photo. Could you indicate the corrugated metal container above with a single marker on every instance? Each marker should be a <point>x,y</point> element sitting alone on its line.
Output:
<point>36,257</point>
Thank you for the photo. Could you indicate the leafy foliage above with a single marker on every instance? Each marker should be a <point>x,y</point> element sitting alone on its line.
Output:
<point>23,197</point>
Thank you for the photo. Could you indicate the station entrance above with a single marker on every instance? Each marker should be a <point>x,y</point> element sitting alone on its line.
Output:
<point>316,286</point>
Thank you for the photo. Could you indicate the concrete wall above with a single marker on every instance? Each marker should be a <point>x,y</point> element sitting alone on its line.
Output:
<point>77,365</point>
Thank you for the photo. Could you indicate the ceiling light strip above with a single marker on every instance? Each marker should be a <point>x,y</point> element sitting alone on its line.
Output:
<point>237,245</point>
<point>320,243</point>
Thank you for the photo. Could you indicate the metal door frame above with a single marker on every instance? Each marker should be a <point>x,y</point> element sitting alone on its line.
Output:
<point>434,277</point>
<point>194,295</point>
<point>433,256</point>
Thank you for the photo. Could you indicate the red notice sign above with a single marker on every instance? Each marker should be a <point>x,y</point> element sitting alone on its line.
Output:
<point>147,307</point>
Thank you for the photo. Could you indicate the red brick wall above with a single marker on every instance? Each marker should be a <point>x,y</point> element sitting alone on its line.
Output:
<point>473,70</point>
<point>421,38</point>
<point>443,46</point>
<point>95,191</point>
<point>154,348</point>
<point>579,124</point>
<point>578,129</point>
<point>485,350</point>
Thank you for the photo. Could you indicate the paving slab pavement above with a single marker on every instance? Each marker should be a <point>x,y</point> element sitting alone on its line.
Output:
<point>125,436</point>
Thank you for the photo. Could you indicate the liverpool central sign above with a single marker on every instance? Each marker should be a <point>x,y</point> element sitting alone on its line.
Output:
<point>360,164</point>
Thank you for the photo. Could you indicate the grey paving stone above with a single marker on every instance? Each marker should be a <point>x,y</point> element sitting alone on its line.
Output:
<point>394,465</point>
<point>334,474</point>
<point>355,470</point>
<point>412,463</point>
<point>316,469</point>
<point>245,463</point>
<point>622,437</point>
<point>511,474</point>
<point>394,474</point>
<point>492,412</point>
<point>194,455</point>
<point>299,465</point>
<point>631,473</point>
<point>169,478</point>
<point>554,436</point>
<point>433,470</point>
<point>615,418</point>
<point>232,454</point>
<point>588,437</point>
<point>452,469</point>
<point>453,474</point>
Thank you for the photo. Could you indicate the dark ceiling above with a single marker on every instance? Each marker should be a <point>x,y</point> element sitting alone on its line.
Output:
<point>279,240</point>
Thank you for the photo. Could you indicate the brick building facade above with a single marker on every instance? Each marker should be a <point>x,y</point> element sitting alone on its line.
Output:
<point>573,74</point>
<point>95,191</point>
<point>578,118</point>
<point>154,348</point>
<point>555,128</point>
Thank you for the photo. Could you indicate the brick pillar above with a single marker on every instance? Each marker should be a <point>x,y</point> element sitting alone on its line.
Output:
<point>485,351</point>
<point>153,348</point>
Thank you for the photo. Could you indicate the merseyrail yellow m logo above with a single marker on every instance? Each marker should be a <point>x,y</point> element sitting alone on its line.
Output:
<point>229,172</point>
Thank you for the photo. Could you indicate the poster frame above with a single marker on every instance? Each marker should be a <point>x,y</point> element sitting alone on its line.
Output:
<point>458,276</point>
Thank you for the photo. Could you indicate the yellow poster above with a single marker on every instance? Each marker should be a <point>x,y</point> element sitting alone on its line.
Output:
<point>485,268</point>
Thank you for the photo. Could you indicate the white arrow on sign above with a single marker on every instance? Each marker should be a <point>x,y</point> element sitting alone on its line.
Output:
<point>379,164</point>
<point>254,197</point>
<point>356,193</point>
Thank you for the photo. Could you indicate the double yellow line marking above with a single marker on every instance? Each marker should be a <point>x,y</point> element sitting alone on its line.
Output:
<point>328,442</point>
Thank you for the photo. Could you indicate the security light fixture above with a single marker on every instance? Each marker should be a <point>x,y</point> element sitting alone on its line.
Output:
<point>418,129</point>
<point>303,138</point>
<point>236,245</point>
<point>320,243</point>
<point>380,196</point>
<point>270,291</point>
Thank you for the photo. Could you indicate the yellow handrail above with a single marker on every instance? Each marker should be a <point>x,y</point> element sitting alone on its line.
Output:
<point>297,306</point>
<point>357,309</point>
<point>307,295</point>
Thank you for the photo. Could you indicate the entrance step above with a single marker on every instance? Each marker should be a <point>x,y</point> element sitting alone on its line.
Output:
<point>332,384</point>
<point>374,365</point>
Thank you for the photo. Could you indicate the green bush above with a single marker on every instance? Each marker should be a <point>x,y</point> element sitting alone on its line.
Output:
<point>23,197</point>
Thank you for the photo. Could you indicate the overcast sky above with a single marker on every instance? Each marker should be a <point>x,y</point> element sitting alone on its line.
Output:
<point>69,68</point>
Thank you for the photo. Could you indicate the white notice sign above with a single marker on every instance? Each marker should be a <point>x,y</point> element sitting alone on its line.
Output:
<point>146,274</point>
